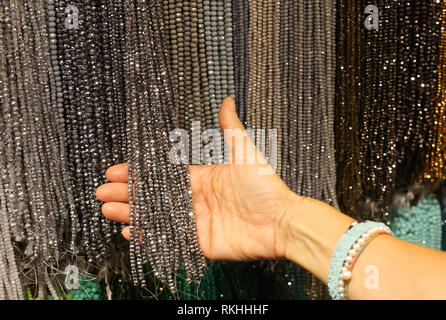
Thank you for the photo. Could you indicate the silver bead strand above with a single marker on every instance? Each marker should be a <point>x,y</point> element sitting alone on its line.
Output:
<point>58,97</point>
<point>151,114</point>
<point>8,265</point>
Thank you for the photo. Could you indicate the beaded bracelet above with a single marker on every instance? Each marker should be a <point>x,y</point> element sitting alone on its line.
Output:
<point>350,265</point>
<point>347,251</point>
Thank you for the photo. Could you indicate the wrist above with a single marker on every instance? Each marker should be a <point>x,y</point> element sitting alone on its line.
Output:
<point>284,224</point>
<point>310,232</point>
<point>295,229</point>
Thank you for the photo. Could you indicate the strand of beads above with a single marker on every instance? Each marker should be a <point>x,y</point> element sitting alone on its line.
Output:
<point>226,47</point>
<point>307,74</point>
<point>195,261</point>
<point>185,34</point>
<point>348,103</point>
<point>112,22</point>
<point>10,282</point>
<point>82,121</point>
<point>11,131</point>
<point>240,11</point>
<point>219,55</point>
<point>52,132</point>
<point>320,144</point>
<point>254,65</point>
<point>292,77</point>
<point>31,145</point>
<point>287,89</point>
<point>71,57</point>
<point>264,107</point>
<point>51,150</point>
<point>399,91</point>
<point>435,167</point>
<point>207,116</point>
<point>186,44</point>
<point>211,16</point>
<point>421,89</point>
<point>58,96</point>
<point>66,46</point>
<point>98,144</point>
<point>117,130</point>
<point>111,117</point>
<point>326,84</point>
<point>276,114</point>
<point>93,113</point>
<point>287,283</point>
<point>379,107</point>
<point>38,203</point>
<point>163,219</point>
<point>7,268</point>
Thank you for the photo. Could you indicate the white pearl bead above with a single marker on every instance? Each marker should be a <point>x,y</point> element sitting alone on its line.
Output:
<point>342,295</point>
<point>341,289</point>
<point>361,241</point>
<point>352,252</point>
<point>346,275</point>
<point>343,269</point>
<point>341,283</point>
<point>356,247</point>
<point>349,259</point>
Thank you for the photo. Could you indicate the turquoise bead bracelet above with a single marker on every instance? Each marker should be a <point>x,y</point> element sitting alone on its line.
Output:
<point>341,251</point>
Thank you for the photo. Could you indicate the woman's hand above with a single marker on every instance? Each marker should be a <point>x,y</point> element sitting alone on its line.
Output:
<point>241,214</point>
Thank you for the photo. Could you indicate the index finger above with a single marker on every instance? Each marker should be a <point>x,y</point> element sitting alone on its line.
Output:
<point>117,173</point>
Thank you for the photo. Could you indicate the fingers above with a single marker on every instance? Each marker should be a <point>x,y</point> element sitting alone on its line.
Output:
<point>116,196</point>
<point>113,192</point>
<point>117,173</point>
<point>117,211</point>
<point>126,232</point>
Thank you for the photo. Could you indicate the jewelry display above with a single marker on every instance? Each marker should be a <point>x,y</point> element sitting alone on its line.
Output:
<point>352,116</point>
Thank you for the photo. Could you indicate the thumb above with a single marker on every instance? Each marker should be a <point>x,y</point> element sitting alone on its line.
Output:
<point>241,148</point>
<point>228,117</point>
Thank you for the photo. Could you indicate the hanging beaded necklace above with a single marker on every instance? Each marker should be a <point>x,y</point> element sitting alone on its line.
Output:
<point>348,82</point>
<point>36,199</point>
<point>435,161</point>
<point>240,10</point>
<point>218,43</point>
<point>398,91</point>
<point>302,80</point>
<point>184,24</point>
<point>164,219</point>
